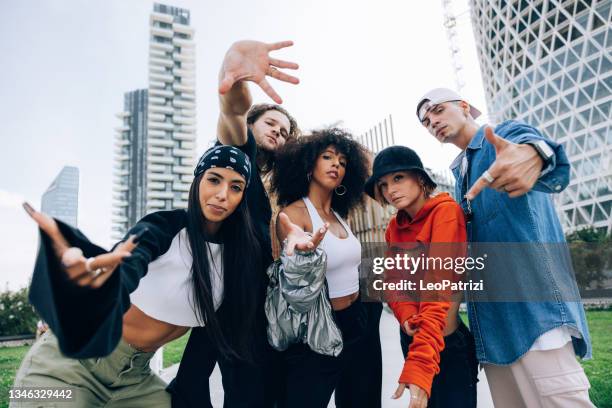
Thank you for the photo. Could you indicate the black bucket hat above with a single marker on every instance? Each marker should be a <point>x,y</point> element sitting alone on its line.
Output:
<point>392,159</point>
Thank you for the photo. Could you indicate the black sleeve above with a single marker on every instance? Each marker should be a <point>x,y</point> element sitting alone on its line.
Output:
<point>249,148</point>
<point>86,321</point>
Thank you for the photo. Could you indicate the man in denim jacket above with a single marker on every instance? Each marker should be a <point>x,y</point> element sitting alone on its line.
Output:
<point>505,177</point>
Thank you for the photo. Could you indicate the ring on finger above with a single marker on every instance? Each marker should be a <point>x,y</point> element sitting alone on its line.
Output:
<point>71,256</point>
<point>97,272</point>
<point>488,177</point>
<point>88,263</point>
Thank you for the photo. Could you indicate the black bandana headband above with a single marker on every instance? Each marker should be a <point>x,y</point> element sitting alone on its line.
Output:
<point>227,157</point>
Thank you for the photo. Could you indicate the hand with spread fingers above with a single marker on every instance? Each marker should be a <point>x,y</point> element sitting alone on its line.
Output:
<point>515,170</point>
<point>250,61</point>
<point>297,238</point>
<point>90,272</point>
<point>418,396</point>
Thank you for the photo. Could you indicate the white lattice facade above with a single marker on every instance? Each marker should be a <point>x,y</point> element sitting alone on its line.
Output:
<point>548,63</point>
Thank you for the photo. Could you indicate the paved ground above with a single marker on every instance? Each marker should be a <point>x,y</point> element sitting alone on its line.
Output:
<point>392,366</point>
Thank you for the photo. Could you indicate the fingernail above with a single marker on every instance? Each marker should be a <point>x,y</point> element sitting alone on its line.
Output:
<point>322,230</point>
<point>139,235</point>
<point>28,208</point>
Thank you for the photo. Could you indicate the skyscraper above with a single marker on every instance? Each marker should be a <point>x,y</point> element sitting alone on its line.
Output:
<point>130,172</point>
<point>157,149</point>
<point>61,200</point>
<point>548,63</point>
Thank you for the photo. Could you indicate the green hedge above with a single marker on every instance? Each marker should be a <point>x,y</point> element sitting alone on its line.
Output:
<point>17,316</point>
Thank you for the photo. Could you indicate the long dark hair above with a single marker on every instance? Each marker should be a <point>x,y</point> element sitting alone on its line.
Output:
<point>230,329</point>
<point>295,161</point>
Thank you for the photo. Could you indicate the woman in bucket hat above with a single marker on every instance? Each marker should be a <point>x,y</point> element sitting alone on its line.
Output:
<point>440,368</point>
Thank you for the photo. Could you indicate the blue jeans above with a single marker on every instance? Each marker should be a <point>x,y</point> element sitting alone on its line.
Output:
<point>455,384</point>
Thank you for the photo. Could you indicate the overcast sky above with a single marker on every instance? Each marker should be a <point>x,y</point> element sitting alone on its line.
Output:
<point>66,64</point>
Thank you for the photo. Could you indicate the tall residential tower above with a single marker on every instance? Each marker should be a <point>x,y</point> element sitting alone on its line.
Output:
<point>158,147</point>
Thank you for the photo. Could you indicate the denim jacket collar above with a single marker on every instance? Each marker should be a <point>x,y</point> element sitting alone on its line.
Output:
<point>475,144</point>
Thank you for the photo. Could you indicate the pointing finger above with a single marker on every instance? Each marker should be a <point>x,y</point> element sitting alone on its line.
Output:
<point>109,260</point>
<point>49,227</point>
<point>480,185</point>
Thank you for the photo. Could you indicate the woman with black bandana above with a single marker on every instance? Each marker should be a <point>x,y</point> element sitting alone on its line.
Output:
<point>109,311</point>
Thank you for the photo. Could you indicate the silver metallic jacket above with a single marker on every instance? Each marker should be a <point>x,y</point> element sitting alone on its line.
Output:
<point>297,304</point>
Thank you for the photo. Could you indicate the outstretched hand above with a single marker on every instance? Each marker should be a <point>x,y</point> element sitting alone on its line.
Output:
<point>297,238</point>
<point>515,170</point>
<point>91,272</point>
<point>250,61</point>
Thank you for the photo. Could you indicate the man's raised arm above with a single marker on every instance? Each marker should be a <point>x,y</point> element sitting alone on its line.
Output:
<point>247,61</point>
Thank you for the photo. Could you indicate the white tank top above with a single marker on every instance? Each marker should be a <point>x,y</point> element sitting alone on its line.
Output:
<point>343,256</point>
<point>165,293</point>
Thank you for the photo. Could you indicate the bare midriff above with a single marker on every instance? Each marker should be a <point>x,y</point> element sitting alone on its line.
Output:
<point>146,333</point>
<point>343,302</point>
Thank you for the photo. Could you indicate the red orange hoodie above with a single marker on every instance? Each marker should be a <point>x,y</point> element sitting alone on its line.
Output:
<point>440,220</point>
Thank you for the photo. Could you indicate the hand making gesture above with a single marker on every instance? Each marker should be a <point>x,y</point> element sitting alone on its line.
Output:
<point>250,61</point>
<point>91,272</point>
<point>515,170</point>
<point>296,238</point>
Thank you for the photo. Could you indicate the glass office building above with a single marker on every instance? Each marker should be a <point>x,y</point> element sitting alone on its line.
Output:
<point>61,200</point>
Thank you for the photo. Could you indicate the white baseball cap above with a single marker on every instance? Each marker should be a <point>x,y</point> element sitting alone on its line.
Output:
<point>437,96</point>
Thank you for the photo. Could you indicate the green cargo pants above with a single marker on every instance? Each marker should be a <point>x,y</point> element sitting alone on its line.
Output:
<point>122,379</point>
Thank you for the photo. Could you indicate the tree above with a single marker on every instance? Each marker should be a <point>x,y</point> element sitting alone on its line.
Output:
<point>17,316</point>
<point>591,251</point>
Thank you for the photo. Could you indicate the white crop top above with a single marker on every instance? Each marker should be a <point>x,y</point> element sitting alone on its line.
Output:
<point>343,256</point>
<point>165,293</point>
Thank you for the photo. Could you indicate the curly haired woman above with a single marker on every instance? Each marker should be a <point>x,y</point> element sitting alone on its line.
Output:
<point>319,180</point>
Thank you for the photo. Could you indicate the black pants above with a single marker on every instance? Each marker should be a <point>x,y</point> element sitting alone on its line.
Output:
<point>455,384</point>
<point>355,375</point>
<point>245,385</point>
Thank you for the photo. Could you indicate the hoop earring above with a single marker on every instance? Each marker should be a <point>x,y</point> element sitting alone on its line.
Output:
<point>340,190</point>
<point>309,177</point>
